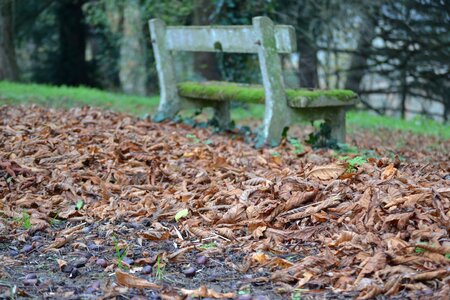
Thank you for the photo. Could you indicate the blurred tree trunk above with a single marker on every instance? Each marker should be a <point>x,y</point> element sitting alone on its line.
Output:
<point>205,63</point>
<point>133,63</point>
<point>308,63</point>
<point>8,63</point>
<point>72,67</point>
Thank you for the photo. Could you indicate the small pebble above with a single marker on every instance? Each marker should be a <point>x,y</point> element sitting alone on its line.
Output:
<point>446,177</point>
<point>147,269</point>
<point>101,262</point>
<point>31,276</point>
<point>95,247</point>
<point>67,268</point>
<point>86,229</point>
<point>26,248</point>
<point>128,261</point>
<point>36,238</point>
<point>94,287</point>
<point>260,297</point>
<point>13,253</point>
<point>201,260</point>
<point>189,272</point>
<point>135,225</point>
<point>33,281</point>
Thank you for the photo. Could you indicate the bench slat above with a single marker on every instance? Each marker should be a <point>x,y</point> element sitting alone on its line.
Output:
<point>233,39</point>
<point>297,98</point>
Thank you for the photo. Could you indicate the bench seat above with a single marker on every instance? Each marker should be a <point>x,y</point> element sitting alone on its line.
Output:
<point>296,98</point>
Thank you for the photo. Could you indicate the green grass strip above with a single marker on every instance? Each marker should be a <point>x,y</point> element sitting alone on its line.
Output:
<point>66,97</point>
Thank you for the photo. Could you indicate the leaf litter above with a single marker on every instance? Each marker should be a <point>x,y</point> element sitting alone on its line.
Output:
<point>123,207</point>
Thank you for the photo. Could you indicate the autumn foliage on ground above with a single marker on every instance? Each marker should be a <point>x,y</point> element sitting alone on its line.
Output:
<point>111,205</point>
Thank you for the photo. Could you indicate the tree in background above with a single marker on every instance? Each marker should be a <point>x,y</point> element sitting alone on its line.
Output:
<point>71,68</point>
<point>133,63</point>
<point>8,63</point>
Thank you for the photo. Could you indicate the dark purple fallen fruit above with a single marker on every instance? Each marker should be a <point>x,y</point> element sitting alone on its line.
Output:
<point>26,248</point>
<point>190,272</point>
<point>101,262</point>
<point>201,259</point>
<point>147,269</point>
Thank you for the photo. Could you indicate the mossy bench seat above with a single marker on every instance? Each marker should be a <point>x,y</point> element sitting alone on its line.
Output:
<point>250,93</point>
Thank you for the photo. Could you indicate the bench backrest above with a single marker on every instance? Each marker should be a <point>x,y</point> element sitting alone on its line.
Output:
<point>233,39</point>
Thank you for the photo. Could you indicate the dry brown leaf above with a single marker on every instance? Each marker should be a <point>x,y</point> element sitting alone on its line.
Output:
<point>411,199</point>
<point>61,263</point>
<point>59,242</point>
<point>326,172</point>
<point>372,264</point>
<point>155,235</point>
<point>295,214</point>
<point>233,215</point>
<point>260,257</point>
<point>389,172</point>
<point>345,236</point>
<point>431,275</point>
<point>204,292</point>
<point>131,281</point>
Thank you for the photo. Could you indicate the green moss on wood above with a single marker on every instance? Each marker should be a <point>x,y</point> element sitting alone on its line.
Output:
<point>222,91</point>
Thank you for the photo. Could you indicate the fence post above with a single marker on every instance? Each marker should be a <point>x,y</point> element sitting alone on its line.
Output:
<point>170,102</point>
<point>277,113</point>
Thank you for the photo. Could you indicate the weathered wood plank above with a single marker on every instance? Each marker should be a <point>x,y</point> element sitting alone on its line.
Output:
<point>233,39</point>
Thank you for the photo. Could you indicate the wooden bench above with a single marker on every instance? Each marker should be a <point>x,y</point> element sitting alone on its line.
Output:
<point>282,106</point>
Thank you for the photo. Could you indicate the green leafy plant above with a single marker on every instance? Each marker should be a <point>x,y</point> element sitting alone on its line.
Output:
<point>244,291</point>
<point>24,220</point>
<point>447,255</point>
<point>298,147</point>
<point>160,270</point>
<point>420,250</point>
<point>208,246</point>
<point>296,294</point>
<point>119,254</point>
<point>322,138</point>
<point>181,214</point>
<point>79,205</point>
<point>54,221</point>
<point>276,154</point>
<point>194,138</point>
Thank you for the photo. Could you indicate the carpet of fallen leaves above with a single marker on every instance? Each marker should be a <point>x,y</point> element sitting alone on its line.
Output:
<point>95,204</point>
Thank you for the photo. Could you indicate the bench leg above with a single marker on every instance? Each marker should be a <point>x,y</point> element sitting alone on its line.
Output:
<point>336,122</point>
<point>170,102</point>
<point>222,114</point>
<point>277,113</point>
